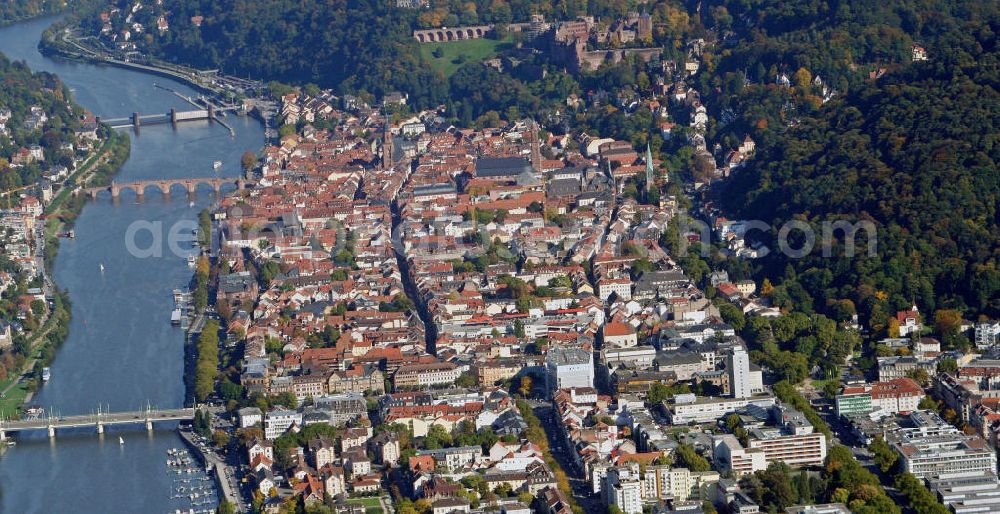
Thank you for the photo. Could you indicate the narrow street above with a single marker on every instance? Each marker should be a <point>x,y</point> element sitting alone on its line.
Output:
<point>409,283</point>
<point>581,487</point>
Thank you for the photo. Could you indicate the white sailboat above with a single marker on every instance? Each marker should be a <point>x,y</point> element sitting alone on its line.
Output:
<point>102,267</point>
<point>121,441</point>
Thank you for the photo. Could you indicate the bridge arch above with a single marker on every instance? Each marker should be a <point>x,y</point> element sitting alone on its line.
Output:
<point>165,186</point>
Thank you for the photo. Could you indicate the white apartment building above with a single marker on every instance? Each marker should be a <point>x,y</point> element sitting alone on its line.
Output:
<point>678,484</point>
<point>624,490</point>
<point>738,367</point>
<point>730,456</point>
<point>792,449</point>
<point>934,447</point>
<point>569,367</point>
<point>687,408</point>
<point>622,287</point>
<point>277,422</point>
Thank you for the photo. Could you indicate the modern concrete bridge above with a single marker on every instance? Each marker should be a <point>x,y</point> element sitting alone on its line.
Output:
<point>173,117</point>
<point>99,420</point>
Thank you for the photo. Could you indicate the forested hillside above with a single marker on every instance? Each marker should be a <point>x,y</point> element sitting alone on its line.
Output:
<point>356,45</point>
<point>825,49</point>
<point>916,153</point>
<point>13,10</point>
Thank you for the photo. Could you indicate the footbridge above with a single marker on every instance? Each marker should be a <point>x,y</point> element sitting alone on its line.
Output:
<point>99,420</point>
<point>189,184</point>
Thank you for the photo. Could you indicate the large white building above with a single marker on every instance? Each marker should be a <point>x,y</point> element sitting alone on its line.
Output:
<point>796,450</point>
<point>687,408</point>
<point>791,440</point>
<point>738,367</point>
<point>621,287</point>
<point>677,484</point>
<point>568,367</point>
<point>660,482</point>
<point>899,395</point>
<point>731,457</point>
<point>623,489</point>
<point>987,334</point>
<point>934,447</point>
<point>277,422</point>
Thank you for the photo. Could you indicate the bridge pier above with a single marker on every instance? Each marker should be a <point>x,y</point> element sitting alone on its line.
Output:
<point>192,188</point>
<point>52,432</point>
<point>114,191</point>
<point>100,427</point>
<point>136,119</point>
<point>173,116</point>
<point>149,425</point>
<point>3,435</point>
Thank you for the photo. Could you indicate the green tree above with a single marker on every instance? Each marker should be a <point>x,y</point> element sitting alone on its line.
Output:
<point>885,457</point>
<point>687,457</point>
<point>226,507</point>
<point>922,500</point>
<point>466,380</point>
<point>947,365</point>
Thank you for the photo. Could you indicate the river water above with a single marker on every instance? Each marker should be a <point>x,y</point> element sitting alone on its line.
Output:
<point>121,352</point>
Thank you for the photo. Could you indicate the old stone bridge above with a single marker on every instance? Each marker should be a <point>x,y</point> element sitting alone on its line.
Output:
<point>189,184</point>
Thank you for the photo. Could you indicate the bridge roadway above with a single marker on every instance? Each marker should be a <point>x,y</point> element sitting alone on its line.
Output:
<point>189,184</point>
<point>174,116</point>
<point>99,421</point>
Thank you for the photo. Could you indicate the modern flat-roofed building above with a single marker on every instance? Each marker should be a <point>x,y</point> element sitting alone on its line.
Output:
<point>848,404</point>
<point>793,449</point>
<point>691,409</point>
<point>826,508</point>
<point>731,456</point>
<point>931,446</point>
<point>568,367</point>
<point>278,421</point>
<point>624,490</point>
<point>738,367</point>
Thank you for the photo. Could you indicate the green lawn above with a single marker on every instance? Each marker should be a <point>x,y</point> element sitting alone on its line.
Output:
<point>457,53</point>
<point>371,505</point>
<point>13,404</point>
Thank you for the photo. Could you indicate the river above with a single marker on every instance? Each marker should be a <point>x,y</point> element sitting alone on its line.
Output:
<point>121,352</point>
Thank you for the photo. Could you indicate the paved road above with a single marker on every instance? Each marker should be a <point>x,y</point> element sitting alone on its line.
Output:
<point>842,435</point>
<point>582,489</point>
<point>225,478</point>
